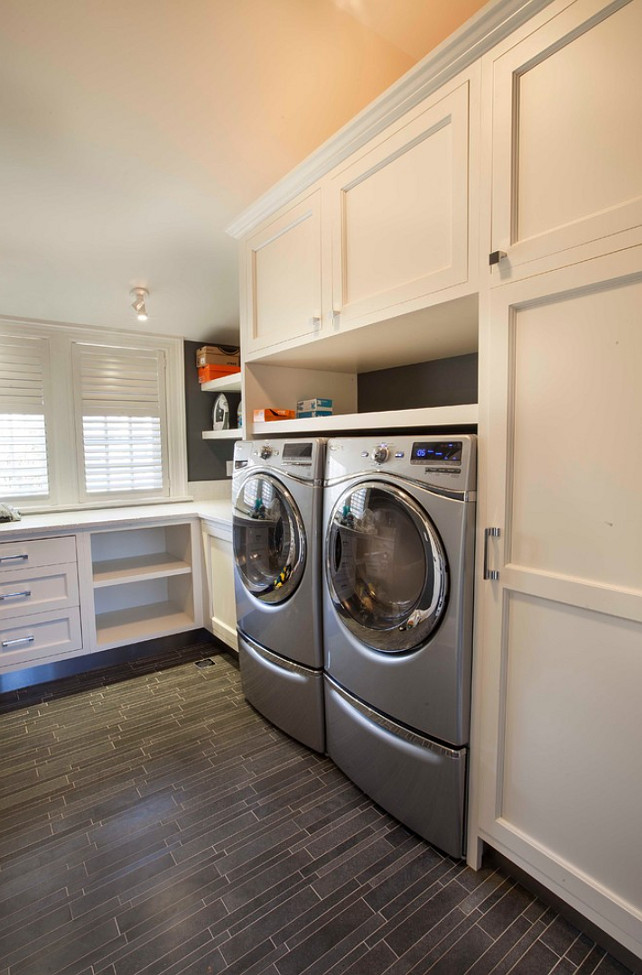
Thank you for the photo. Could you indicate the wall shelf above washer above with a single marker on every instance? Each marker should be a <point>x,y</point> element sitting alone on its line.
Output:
<point>434,416</point>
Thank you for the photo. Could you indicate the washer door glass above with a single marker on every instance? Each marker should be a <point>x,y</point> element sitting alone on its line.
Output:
<point>386,567</point>
<point>269,540</point>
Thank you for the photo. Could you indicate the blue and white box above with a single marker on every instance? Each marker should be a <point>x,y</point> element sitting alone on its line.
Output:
<point>314,407</point>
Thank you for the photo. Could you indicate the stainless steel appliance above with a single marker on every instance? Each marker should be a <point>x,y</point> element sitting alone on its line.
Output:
<point>397,613</point>
<point>277,492</point>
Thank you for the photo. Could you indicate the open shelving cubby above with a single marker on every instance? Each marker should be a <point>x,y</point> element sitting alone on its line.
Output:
<point>142,580</point>
<point>335,365</point>
<point>226,384</point>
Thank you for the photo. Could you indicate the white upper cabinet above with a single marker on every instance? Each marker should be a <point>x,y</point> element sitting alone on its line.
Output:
<point>281,277</point>
<point>567,137</point>
<point>384,233</point>
<point>399,214</point>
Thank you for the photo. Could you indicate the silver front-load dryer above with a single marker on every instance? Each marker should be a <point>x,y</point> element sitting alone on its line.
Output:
<point>277,505</point>
<point>399,522</point>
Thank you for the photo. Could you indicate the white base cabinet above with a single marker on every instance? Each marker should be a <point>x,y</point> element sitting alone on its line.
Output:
<point>39,601</point>
<point>97,588</point>
<point>219,567</point>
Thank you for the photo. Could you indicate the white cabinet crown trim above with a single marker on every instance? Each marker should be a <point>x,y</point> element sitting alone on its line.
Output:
<point>478,35</point>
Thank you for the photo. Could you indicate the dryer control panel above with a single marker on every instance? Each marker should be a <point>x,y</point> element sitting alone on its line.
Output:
<point>447,463</point>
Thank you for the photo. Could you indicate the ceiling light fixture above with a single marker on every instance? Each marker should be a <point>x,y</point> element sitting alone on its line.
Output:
<point>138,304</point>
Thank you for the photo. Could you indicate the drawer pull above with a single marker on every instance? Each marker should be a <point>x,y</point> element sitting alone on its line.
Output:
<point>20,639</point>
<point>16,595</point>
<point>14,558</point>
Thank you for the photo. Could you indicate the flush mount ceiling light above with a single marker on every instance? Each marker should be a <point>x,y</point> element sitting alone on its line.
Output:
<point>138,304</point>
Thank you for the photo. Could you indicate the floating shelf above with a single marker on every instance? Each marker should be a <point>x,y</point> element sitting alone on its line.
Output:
<point>435,416</point>
<point>226,384</point>
<point>233,434</point>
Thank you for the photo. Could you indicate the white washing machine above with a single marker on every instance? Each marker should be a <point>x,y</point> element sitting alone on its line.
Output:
<point>399,521</point>
<point>277,493</point>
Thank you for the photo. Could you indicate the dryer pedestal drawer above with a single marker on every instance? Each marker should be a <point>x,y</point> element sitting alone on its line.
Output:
<point>38,637</point>
<point>418,781</point>
<point>38,590</point>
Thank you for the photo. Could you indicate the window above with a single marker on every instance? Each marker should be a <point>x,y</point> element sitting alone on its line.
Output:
<point>24,470</point>
<point>89,417</point>
<point>120,407</point>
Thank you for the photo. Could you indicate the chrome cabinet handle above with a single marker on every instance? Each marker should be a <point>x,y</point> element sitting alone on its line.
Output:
<point>15,595</point>
<point>13,558</point>
<point>491,574</point>
<point>21,639</point>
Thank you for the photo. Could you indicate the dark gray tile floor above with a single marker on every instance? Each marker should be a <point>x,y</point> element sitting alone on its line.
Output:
<point>156,825</point>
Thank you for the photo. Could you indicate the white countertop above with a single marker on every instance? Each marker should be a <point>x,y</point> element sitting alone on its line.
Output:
<point>219,512</point>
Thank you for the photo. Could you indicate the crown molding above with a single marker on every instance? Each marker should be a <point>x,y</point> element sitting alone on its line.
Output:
<point>473,39</point>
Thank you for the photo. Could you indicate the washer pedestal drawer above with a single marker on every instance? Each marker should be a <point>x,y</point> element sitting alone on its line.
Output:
<point>421,783</point>
<point>286,693</point>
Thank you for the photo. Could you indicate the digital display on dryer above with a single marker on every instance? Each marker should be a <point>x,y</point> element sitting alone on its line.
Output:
<point>444,451</point>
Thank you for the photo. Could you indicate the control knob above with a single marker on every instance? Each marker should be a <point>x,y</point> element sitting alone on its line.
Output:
<point>380,454</point>
<point>266,451</point>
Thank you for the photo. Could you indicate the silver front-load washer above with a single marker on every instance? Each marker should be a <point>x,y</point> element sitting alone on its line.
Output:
<point>399,520</point>
<point>277,493</point>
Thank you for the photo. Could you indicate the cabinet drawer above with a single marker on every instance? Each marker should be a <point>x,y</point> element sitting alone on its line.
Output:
<point>24,592</point>
<point>41,636</point>
<point>37,551</point>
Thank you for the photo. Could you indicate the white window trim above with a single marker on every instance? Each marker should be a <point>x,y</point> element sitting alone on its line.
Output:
<point>66,481</point>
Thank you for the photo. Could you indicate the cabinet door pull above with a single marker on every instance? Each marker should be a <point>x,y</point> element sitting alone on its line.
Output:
<point>491,574</point>
<point>21,639</point>
<point>495,257</point>
<point>16,595</point>
<point>13,558</point>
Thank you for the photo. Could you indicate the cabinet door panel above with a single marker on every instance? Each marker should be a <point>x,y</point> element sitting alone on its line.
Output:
<point>567,133</point>
<point>559,650</point>
<point>284,277</point>
<point>575,450</point>
<point>568,783</point>
<point>400,214</point>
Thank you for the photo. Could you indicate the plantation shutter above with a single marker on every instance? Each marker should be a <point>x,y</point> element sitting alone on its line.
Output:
<point>121,405</point>
<point>24,365</point>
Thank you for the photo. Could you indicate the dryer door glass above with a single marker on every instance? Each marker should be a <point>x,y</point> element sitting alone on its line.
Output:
<point>386,567</point>
<point>269,540</point>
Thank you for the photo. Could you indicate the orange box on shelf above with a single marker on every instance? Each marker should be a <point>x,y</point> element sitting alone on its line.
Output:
<point>262,415</point>
<point>206,373</point>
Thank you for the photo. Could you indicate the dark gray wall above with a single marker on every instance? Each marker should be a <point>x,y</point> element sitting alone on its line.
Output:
<point>441,382</point>
<point>205,458</point>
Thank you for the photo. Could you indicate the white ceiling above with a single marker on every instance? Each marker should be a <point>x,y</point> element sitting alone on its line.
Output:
<point>134,131</point>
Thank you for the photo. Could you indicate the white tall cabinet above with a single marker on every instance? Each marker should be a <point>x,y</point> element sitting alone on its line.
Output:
<point>558,724</point>
<point>558,654</point>
<point>534,140</point>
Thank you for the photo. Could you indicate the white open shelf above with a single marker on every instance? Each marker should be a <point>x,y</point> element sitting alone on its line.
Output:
<point>141,623</point>
<point>438,416</point>
<point>235,433</point>
<point>155,565</point>
<point>226,384</point>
